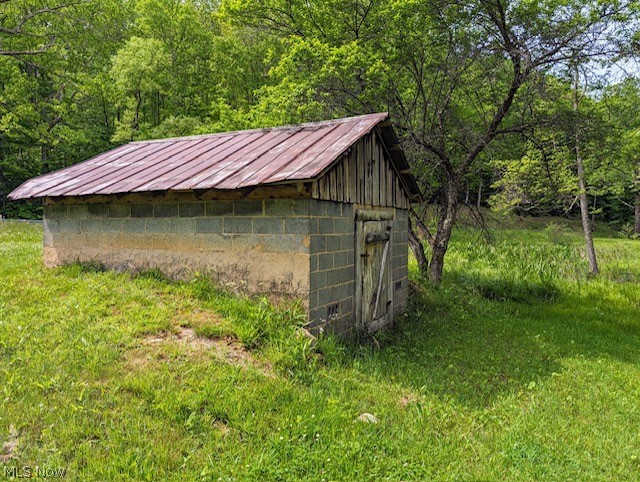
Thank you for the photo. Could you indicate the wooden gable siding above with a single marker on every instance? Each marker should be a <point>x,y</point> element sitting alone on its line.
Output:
<point>364,176</point>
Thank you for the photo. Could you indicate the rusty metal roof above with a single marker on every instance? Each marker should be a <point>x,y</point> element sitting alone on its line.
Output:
<point>229,160</point>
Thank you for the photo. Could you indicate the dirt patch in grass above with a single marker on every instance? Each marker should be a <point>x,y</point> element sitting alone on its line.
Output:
<point>153,347</point>
<point>10,447</point>
<point>407,399</point>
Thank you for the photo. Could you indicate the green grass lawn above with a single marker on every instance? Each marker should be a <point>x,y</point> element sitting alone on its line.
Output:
<point>517,367</point>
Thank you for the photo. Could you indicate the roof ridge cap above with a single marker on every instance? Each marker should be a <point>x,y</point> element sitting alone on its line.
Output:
<point>307,125</point>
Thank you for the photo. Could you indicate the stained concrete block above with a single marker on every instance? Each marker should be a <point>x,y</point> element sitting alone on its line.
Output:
<point>214,241</point>
<point>313,262</point>
<point>398,261</point>
<point>191,210</point>
<point>48,236</point>
<point>249,241</point>
<point>325,261</point>
<point>219,208</point>
<point>317,316</point>
<point>334,243</point>
<point>325,225</point>
<point>325,296</point>
<point>158,226</point>
<point>342,291</point>
<point>343,258</point>
<point>347,242</point>
<point>92,225</point>
<point>347,306</point>
<point>286,207</point>
<point>285,243</point>
<point>318,244</point>
<point>183,226</point>
<point>112,225</point>
<point>247,208</point>
<point>313,226</point>
<point>399,238</point>
<point>55,212</point>
<point>208,225</point>
<point>142,210</point>
<point>344,225</point>
<point>70,226</point>
<point>165,210</point>
<point>347,274</point>
<point>268,225</point>
<point>399,273</point>
<point>315,239</point>
<point>133,226</point>
<point>333,277</point>
<point>334,209</point>
<point>318,279</point>
<point>318,208</point>
<point>313,298</point>
<point>119,211</point>
<point>296,226</point>
<point>98,210</point>
<point>238,225</point>
<point>77,211</point>
<point>51,226</point>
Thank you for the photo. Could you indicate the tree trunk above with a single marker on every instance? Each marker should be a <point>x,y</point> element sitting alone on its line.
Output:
<point>584,212</point>
<point>584,202</point>
<point>418,250</point>
<point>636,184</point>
<point>637,230</point>
<point>447,218</point>
<point>479,201</point>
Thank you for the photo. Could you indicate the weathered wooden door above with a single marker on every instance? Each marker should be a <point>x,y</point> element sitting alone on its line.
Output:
<point>374,295</point>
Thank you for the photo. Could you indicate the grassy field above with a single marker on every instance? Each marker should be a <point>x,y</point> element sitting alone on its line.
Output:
<point>518,367</point>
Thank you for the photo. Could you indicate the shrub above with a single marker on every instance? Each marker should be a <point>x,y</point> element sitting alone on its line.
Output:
<point>557,233</point>
<point>627,231</point>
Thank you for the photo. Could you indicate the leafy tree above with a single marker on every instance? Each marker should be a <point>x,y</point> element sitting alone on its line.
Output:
<point>449,72</point>
<point>25,26</point>
<point>188,39</point>
<point>139,72</point>
<point>539,183</point>
<point>622,169</point>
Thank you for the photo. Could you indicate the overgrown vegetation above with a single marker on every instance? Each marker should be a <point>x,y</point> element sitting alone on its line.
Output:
<point>138,378</point>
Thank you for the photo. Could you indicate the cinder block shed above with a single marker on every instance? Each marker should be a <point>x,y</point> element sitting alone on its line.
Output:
<point>317,210</point>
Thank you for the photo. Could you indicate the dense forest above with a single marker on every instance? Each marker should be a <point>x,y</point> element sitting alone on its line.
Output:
<point>528,107</point>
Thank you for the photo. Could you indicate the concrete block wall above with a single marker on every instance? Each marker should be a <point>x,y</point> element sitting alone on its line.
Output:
<point>262,244</point>
<point>399,260</point>
<point>332,270</point>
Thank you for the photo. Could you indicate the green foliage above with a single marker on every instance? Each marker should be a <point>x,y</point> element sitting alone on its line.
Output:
<point>152,275</point>
<point>627,231</point>
<point>139,72</point>
<point>543,181</point>
<point>536,183</point>
<point>558,233</point>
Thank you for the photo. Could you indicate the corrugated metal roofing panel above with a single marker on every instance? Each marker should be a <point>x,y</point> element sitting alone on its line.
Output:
<point>228,160</point>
